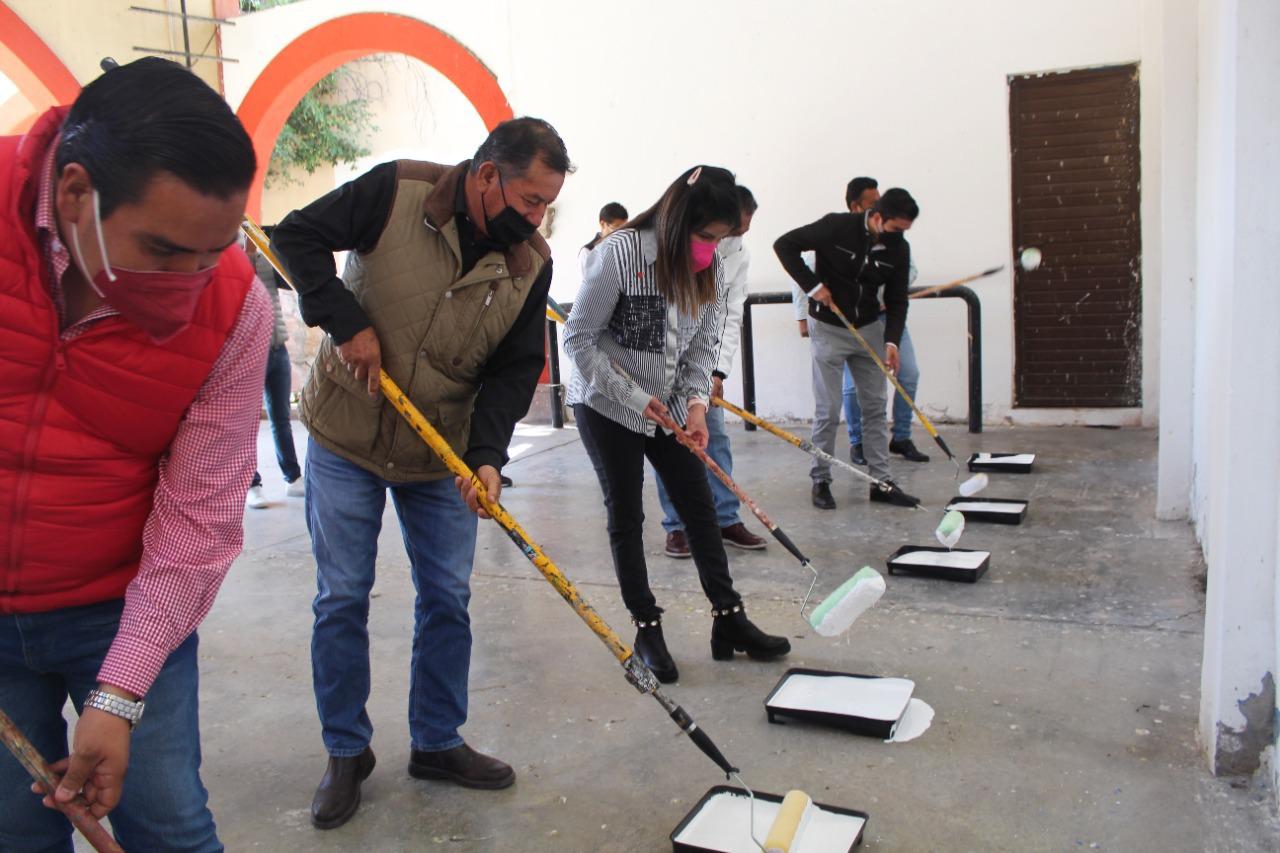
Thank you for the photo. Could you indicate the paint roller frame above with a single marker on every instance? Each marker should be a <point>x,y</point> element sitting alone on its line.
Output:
<point>678,846</point>
<point>810,448</point>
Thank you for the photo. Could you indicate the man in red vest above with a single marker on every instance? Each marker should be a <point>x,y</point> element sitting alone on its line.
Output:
<point>133,343</point>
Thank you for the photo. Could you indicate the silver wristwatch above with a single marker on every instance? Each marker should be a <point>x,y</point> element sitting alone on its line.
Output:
<point>117,705</point>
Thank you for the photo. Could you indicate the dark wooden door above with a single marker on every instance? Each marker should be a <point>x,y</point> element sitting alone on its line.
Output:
<point>1078,317</point>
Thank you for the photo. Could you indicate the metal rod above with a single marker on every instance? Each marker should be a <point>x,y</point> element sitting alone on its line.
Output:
<point>220,21</point>
<point>553,377</point>
<point>186,33</point>
<point>748,363</point>
<point>157,50</point>
<point>974,311</point>
<point>76,811</point>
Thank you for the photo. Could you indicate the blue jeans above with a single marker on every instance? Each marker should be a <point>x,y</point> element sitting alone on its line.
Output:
<point>344,515</point>
<point>908,375</point>
<point>726,501</point>
<point>275,392</point>
<point>46,657</point>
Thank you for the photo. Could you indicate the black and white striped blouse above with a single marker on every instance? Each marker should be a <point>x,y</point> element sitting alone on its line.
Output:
<point>619,317</point>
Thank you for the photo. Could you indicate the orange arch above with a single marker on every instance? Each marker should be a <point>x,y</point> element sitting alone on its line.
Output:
<point>40,76</point>
<point>301,64</point>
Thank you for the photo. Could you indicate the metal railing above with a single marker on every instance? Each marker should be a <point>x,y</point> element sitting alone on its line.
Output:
<point>975,347</point>
<point>974,311</point>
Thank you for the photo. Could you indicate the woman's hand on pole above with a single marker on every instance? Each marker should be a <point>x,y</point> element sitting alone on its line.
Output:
<point>655,411</point>
<point>696,426</point>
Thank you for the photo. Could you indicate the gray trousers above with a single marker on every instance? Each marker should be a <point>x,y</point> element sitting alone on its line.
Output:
<point>832,347</point>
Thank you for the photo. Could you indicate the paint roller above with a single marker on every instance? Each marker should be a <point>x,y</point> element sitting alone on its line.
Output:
<point>836,619</point>
<point>925,422</point>
<point>789,824</point>
<point>635,671</point>
<point>950,528</point>
<point>886,486</point>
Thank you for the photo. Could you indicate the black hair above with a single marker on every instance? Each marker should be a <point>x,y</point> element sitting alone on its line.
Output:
<point>746,201</point>
<point>857,187</point>
<point>513,145</point>
<point>700,196</point>
<point>897,203</point>
<point>152,115</point>
<point>612,212</point>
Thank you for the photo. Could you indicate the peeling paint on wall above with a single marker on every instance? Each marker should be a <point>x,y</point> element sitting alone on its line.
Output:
<point>1239,751</point>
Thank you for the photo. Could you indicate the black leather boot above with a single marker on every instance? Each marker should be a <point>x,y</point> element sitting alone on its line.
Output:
<point>338,796</point>
<point>732,631</point>
<point>652,649</point>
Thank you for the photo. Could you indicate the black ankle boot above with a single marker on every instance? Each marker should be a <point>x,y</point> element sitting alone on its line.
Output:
<point>652,649</point>
<point>732,631</point>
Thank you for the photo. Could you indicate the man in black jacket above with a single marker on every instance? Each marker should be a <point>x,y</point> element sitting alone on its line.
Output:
<point>856,255</point>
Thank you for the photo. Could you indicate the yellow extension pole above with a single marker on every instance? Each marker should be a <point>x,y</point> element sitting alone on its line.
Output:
<point>884,368</point>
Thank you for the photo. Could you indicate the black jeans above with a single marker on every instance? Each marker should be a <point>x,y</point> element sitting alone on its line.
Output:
<point>618,455</point>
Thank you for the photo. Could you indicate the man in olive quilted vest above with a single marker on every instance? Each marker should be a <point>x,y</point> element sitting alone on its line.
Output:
<point>445,289</point>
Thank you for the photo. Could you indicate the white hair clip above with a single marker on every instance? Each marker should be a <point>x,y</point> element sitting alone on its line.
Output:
<point>693,179</point>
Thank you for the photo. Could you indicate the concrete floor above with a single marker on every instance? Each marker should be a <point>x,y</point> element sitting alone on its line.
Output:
<point>1065,682</point>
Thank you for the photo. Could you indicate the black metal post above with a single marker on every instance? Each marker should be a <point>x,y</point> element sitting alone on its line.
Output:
<point>553,376</point>
<point>974,308</point>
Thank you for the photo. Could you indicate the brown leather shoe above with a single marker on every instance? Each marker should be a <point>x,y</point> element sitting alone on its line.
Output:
<point>739,536</point>
<point>463,765</point>
<point>338,796</point>
<point>677,545</point>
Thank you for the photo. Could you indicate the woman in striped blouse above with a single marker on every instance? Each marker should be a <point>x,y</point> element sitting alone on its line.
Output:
<point>643,335</point>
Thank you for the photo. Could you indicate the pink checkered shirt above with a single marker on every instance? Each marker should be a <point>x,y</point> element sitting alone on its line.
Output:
<point>196,526</point>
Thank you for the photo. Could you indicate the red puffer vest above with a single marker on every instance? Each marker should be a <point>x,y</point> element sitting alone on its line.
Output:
<point>83,423</point>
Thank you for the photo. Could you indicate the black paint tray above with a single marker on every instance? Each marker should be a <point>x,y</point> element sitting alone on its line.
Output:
<point>964,574</point>
<point>992,515</point>
<point>1001,463</point>
<point>701,830</point>
<point>793,698</point>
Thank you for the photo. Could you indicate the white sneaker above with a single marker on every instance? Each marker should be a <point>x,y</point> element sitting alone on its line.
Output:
<point>297,489</point>
<point>256,499</point>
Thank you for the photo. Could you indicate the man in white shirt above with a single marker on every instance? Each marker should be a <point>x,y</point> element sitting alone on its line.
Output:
<point>736,259</point>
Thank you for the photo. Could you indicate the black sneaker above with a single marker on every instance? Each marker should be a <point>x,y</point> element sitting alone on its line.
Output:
<point>822,498</point>
<point>855,454</point>
<point>906,448</point>
<point>888,492</point>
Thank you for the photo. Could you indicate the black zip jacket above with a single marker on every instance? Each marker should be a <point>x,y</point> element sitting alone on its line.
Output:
<point>853,268</point>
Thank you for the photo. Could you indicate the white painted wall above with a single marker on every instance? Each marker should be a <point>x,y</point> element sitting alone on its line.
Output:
<point>1236,395</point>
<point>796,99</point>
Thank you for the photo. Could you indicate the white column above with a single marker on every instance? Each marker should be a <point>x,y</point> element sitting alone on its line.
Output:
<point>1237,381</point>
<point>1170,42</point>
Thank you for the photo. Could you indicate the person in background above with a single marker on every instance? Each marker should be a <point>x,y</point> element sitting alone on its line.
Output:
<point>131,360</point>
<point>612,217</point>
<point>855,256</point>
<point>445,288</point>
<point>860,195</point>
<point>643,336</point>
<point>736,260</point>
<point>277,388</point>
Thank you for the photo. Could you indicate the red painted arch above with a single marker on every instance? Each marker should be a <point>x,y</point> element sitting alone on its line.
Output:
<point>40,76</point>
<point>315,53</point>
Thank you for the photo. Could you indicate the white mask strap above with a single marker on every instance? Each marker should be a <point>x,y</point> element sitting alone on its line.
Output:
<point>102,243</point>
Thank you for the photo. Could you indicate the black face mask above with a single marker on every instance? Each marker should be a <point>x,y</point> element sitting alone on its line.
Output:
<point>508,227</point>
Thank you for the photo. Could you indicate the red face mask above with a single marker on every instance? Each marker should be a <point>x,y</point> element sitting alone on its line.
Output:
<point>159,302</point>
<point>701,254</point>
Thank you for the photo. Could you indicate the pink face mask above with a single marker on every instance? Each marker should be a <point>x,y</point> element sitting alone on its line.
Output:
<point>701,254</point>
<point>159,302</point>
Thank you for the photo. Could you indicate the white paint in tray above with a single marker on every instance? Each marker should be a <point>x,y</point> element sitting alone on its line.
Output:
<point>722,824</point>
<point>1012,459</point>
<point>945,559</point>
<point>868,698</point>
<point>1013,508</point>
